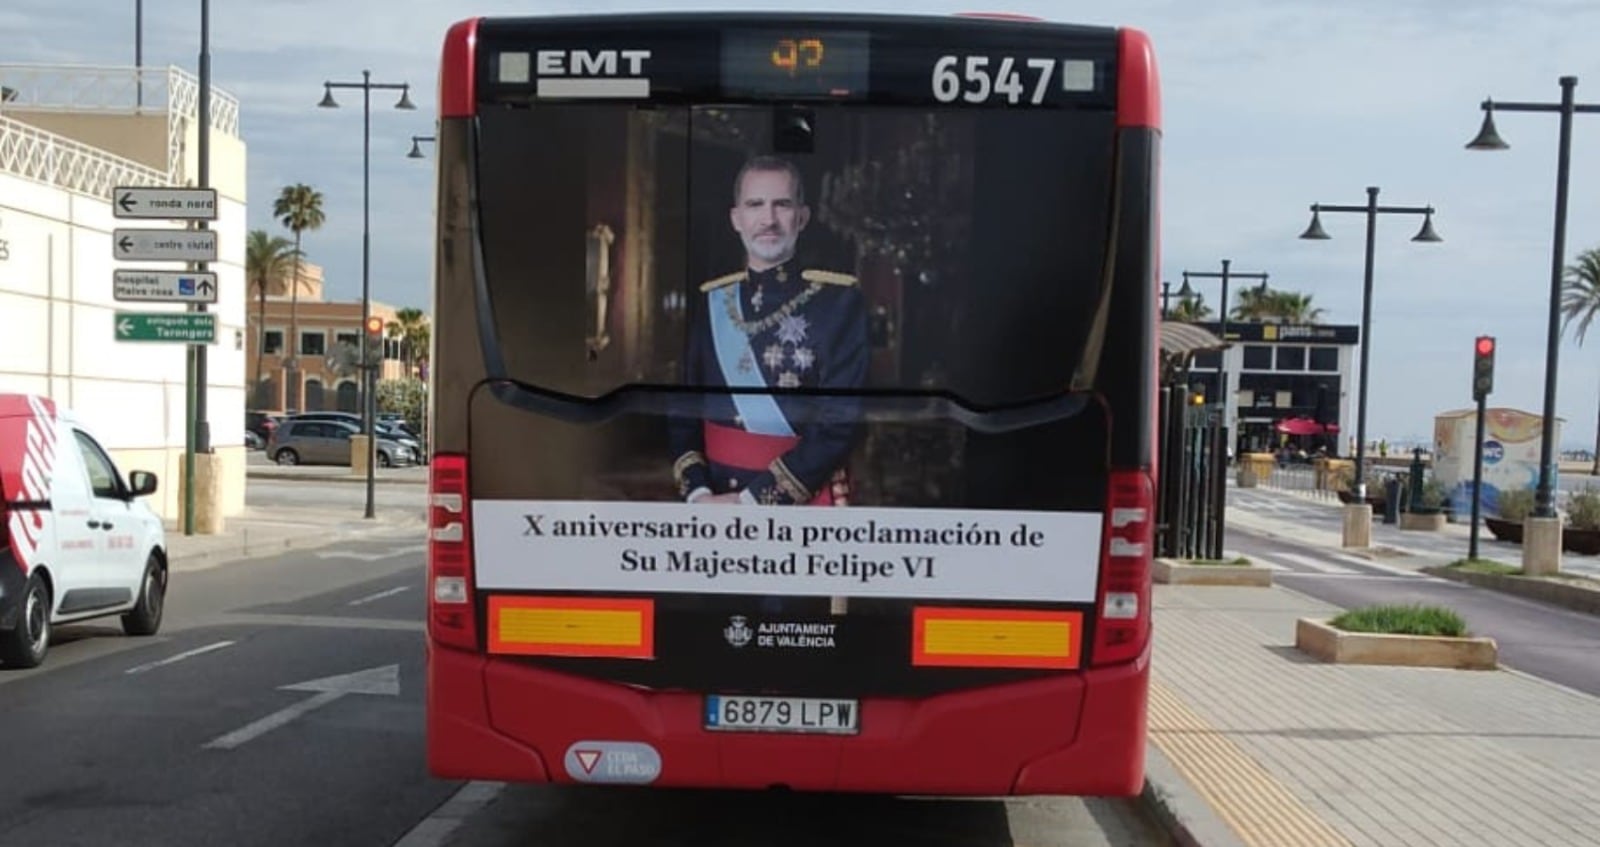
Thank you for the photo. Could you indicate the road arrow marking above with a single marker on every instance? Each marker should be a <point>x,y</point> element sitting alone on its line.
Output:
<point>379,681</point>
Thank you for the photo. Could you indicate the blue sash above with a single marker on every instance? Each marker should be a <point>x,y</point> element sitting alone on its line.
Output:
<point>760,411</point>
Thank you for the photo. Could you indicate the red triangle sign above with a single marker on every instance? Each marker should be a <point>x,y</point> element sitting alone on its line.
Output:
<point>588,759</point>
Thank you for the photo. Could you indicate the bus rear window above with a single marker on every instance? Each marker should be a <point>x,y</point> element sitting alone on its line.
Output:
<point>835,248</point>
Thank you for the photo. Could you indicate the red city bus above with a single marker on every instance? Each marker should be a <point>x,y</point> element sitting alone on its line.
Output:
<point>793,400</point>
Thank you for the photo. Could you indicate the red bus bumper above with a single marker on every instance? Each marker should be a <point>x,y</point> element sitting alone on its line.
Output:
<point>1081,734</point>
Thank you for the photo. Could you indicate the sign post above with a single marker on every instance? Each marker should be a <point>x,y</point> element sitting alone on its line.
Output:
<point>195,288</point>
<point>1482,384</point>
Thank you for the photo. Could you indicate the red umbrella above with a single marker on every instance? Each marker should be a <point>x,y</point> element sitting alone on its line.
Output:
<point>1299,426</point>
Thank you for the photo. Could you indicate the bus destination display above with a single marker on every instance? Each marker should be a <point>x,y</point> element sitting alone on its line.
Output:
<point>795,63</point>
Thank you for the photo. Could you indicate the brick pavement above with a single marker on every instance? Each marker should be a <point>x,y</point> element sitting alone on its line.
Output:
<point>1289,750</point>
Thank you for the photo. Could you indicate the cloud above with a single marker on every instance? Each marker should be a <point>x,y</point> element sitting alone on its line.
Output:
<point>1269,105</point>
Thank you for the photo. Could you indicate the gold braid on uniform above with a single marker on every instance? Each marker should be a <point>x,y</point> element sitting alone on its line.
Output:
<point>787,481</point>
<point>680,469</point>
<point>770,321</point>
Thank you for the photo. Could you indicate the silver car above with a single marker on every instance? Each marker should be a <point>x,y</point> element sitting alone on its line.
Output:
<point>320,442</point>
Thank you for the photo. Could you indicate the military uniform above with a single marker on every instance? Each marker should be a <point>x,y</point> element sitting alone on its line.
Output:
<point>773,329</point>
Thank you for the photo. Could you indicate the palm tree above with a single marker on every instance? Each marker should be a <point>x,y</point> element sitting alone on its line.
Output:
<point>1267,305</point>
<point>298,208</point>
<point>266,262</point>
<point>1580,301</point>
<point>1190,311</point>
<point>412,328</point>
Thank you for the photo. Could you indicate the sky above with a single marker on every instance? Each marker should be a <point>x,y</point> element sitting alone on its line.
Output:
<point>1268,106</point>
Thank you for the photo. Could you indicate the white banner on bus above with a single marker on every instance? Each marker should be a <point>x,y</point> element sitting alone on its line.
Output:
<point>791,550</point>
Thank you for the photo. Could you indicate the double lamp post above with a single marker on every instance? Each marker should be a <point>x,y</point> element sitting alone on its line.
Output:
<point>1358,515</point>
<point>368,366</point>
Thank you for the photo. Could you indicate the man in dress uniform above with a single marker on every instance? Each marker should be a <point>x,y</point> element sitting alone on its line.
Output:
<point>773,325</point>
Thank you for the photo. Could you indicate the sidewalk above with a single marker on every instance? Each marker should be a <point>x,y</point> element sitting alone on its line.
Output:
<point>1255,743</point>
<point>1310,519</point>
<point>413,475</point>
<point>266,531</point>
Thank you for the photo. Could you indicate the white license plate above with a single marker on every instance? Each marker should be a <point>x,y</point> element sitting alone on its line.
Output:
<point>782,714</point>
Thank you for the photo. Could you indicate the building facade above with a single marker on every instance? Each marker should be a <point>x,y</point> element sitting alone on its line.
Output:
<point>1283,372</point>
<point>326,352</point>
<point>69,135</point>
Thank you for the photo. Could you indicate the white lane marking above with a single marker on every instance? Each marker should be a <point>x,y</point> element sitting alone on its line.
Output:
<point>384,680</point>
<point>187,654</point>
<point>1368,563</point>
<point>380,595</point>
<point>1315,564</point>
<point>435,829</point>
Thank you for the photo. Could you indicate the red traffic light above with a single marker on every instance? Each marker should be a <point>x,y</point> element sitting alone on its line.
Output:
<point>1485,345</point>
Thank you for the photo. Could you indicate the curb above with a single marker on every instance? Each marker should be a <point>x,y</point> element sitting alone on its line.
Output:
<point>246,548</point>
<point>1571,597</point>
<point>345,478</point>
<point>1178,807</point>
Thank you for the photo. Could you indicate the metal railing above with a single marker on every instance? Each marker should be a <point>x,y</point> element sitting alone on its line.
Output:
<point>35,154</point>
<point>113,90</point>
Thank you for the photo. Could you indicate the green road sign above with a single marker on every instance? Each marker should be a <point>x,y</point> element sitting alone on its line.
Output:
<point>182,327</point>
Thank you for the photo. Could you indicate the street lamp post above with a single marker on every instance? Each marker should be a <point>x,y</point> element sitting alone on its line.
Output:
<point>369,411</point>
<point>1489,139</point>
<point>1225,275</point>
<point>416,145</point>
<point>1315,232</point>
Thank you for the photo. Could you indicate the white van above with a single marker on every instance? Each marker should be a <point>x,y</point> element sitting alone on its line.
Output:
<point>75,541</point>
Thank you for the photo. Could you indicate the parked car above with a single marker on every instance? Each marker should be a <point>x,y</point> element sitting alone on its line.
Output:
<point>76,541</point>
<point>396,432</point>
<point>327,442</point>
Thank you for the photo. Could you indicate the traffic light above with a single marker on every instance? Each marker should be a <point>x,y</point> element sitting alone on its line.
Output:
<point>1483,367</point>
<point>375,326</point>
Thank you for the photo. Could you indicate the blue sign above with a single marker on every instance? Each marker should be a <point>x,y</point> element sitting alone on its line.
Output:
<point>1493,451</point>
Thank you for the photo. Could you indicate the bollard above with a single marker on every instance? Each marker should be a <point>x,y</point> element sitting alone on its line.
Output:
<point>1391,499</point>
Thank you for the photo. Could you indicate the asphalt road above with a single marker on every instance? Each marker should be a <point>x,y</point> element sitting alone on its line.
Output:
<point>282,704</point>
<point>160,741</point>
<point>1536,638</point>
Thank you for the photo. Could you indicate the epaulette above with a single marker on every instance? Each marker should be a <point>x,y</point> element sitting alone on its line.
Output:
<point>830,277</point>
<point>722,280</point>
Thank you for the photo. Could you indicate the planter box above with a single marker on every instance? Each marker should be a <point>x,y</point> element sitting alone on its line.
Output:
<point>1425,521</point>
<point>1585,542</point>
<point>1575,593</point>
<point>1365,648</point>
<point>1504,530</point>
<point>1176,572</point>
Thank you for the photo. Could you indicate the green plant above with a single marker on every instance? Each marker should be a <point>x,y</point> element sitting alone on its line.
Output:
<point>1515,504</point>
<point>1415,619</point>
<point>404,397</point>
<point>1583,509</point>
<point>1430,499</point>
<point>1488,566</point>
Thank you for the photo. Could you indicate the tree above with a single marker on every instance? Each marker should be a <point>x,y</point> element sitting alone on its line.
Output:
<point>1580,301</point>
<point>411,327</point>
<point>266,262</point>
<point>1259,305</point>
<point>298,208</point>
<point>1190,310</point>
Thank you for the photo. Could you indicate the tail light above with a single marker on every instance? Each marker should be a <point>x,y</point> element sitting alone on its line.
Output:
<point>451,617</point>
<point>1123,626</point>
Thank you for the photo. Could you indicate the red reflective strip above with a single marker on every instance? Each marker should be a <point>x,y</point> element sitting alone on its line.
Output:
<point>458,71</point>
<point>1138,83</point>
